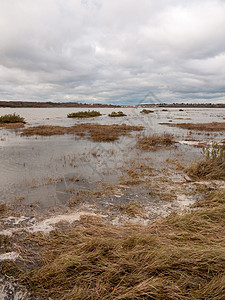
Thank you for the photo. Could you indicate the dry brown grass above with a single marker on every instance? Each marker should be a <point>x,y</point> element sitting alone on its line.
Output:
<point>132,209</point>
<point>12,125</point>
<point>214,126</point>
<point>2,207</point>
<point>178,257</point>
<point>134,172</point>
<point>155,142</point>
<point>97,132</point>
<point>212,166</point>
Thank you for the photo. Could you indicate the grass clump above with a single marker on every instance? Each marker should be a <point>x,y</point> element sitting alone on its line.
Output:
<point>132,209</point>
<point>96,132</point>
<point>155,142</point>
<point>11,118</point>
<point>214,126</point>
<point>115,114</point>
<point>212,166</point>
<point>84,114</point>
<point>146,111</point>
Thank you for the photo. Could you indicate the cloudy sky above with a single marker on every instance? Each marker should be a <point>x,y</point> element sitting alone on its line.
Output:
<point>112,51</point>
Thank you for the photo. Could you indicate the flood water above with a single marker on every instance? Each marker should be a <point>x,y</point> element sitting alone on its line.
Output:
<point>38,170</point>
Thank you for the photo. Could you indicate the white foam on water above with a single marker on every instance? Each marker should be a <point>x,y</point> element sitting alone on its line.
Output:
<point>184,201</point>
<point>7,232</point>
<point>9,256</point>
<point>193,143</point>
<point>48,225</point>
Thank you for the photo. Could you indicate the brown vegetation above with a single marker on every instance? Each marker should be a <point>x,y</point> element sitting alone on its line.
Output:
<point>12,125</point>
<point>154,142</point>
<point>178,257</point>
<point>214,126</point>
<point>132,209</point>
<point>12,121</point>
<point>98,133</point>
<point>212,166</point>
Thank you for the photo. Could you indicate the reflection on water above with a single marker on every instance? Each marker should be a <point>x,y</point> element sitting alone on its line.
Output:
<point>39,169</point>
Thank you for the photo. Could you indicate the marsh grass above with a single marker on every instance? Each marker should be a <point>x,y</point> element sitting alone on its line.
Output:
<point>181,257</point>
<point>2,207</point>
<point>155,142</point>
<point>212,166</point>
<point>11,118</point>
<point>84,114</point>
<point>134,173</point>
<point>12,121</point>
<point>97,132</point>
<point>115,114</point>
<point>214,126</point>
<point>132,209</point>
<point>146,111</point>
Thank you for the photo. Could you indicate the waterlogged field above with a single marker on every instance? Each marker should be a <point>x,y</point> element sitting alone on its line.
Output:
<point>110,178</point>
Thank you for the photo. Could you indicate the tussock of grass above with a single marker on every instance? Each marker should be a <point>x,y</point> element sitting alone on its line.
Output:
<point>132,209</point>
<point>211,167</point>
<point>135,173</point>
<point>178,257</point>
<point>11,118</point>
<point>146,111</point>
<point>115,114</point>
<point>214,126</point>
<point>84,114</point>
<point>97,132</point>
<point>154,142</point>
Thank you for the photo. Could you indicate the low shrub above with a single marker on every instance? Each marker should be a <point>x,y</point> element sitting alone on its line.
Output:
<point>11,118</point>
<point>146,111</point>
<point>117,114</point>
<point>84,114</point>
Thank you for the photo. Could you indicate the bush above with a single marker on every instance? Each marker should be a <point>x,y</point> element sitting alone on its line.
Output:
<point>146,111</point>
<point>117,114</point>
<point>84,114</point>
<point>11,118</point>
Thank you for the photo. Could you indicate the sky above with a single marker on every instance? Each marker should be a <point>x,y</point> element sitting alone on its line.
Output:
<point>112,51</point>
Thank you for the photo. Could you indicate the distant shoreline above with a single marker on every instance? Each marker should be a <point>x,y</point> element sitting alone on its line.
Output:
<point>29,104</point>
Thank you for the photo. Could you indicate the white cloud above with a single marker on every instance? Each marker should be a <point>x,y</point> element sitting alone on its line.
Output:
<point>112,50</point>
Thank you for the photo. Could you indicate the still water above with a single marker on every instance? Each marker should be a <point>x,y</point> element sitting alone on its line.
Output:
<point>37,169</point>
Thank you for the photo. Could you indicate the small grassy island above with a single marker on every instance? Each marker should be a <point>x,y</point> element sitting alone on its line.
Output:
<point>11,118</point>
<point>146,111</point>
<point>117,114</point>
<point>12,121</point>
<point>84,114</point>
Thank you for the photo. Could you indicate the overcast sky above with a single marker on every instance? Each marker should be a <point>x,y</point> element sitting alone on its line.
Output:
<point>112,51</point>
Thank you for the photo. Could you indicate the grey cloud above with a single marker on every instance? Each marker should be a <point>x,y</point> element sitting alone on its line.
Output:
<point>112,51</point>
